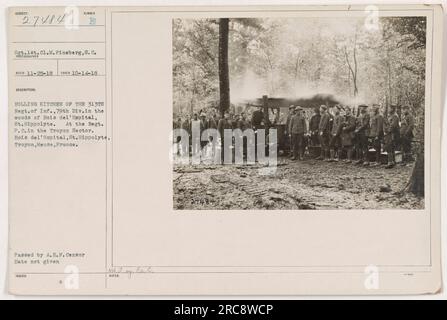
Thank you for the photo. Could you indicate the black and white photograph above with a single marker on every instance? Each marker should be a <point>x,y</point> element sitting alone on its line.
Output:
<point>299,113</point>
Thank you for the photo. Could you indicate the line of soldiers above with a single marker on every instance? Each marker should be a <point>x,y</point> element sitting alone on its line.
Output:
<point>336,132</point>
<point>212,120</point>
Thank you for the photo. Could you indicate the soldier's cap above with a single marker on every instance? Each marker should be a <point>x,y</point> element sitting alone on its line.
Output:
<point>298,108</point>
<point>291,107</point>
<point>363,106</point>
<point>323,107</point>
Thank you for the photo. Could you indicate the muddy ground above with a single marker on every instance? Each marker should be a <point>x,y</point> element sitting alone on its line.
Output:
<point>308,184</point>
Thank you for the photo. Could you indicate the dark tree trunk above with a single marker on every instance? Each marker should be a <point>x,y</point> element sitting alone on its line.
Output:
<point>417,183</point>
<point>224,77</point>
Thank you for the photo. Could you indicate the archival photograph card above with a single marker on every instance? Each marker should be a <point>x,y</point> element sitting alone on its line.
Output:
<point>262,150</point>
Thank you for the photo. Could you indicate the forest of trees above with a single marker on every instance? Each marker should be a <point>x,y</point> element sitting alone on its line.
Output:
<point>218,62</point>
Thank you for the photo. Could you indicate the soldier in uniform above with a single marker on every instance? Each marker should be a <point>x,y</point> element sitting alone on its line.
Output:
<point>391,129</point>
<point>211,123</point>
<point>314,124</point>
<point>376,133</point>
<point>186,124</point>
<point>335,141</point>
<point>243,124</point>
<point>178,124</point>
<point>298,129</point>
<point>203,122</point>
<point>324,132</point>
<point>306,135</point>
<point>347,134</point>
<point>257,119</point>
<point>233,120</point>
<point>203,127</point>
<point>196,143</point>
<point>287,131</point>
<point>406,135</point>
<point>361,135</point>
<point>236,121</point>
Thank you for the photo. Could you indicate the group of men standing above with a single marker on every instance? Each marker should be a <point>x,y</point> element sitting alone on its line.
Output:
<point>336,132</point>
<point>211,120</point>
